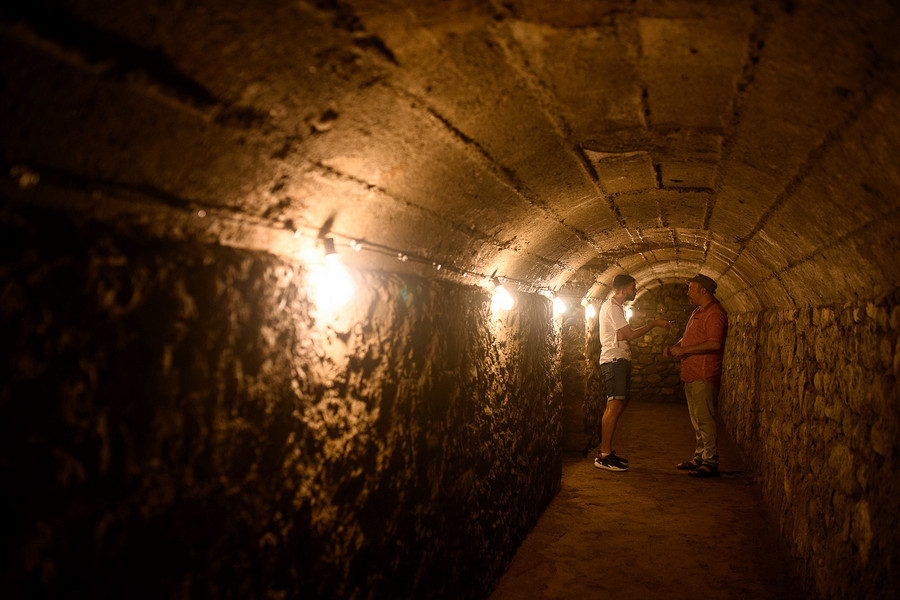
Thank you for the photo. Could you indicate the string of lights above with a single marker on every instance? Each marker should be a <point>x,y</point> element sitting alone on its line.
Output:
<point>28,178</point>
<point>502,299</point>
<point>326,236</point>
<point>358,245</point>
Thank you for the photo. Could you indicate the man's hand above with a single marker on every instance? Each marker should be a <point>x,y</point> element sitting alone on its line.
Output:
<point>701,348</point>
<point>627,333</point>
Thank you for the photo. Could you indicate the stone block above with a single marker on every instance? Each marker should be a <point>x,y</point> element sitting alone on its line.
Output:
<point>624,172</point>
<point>895,318</point>
<point>896,370</point>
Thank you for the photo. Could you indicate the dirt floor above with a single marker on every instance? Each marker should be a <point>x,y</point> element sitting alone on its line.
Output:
<point>653,532</point>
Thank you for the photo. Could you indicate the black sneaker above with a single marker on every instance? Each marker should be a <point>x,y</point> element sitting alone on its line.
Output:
<point>610,463</point>
<point>621,459</point>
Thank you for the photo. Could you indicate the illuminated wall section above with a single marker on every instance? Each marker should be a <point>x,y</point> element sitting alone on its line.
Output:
<point>181,420</point>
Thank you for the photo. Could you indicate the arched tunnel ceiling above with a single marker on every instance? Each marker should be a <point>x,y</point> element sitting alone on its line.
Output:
<point>554,143</point>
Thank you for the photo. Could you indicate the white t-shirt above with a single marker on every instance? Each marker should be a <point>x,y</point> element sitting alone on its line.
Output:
<point>612,319</point>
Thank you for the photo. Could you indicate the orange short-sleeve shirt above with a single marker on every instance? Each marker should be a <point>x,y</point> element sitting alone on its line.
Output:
<point>706,324</point>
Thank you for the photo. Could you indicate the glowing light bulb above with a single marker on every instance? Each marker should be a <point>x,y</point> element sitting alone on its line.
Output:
<point>589,312</point>
<point>502,299</point>
<point>559,306</point>
<point>332,284</point>
<point>628,313</point>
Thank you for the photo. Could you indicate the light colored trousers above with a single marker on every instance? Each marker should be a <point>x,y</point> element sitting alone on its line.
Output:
<point>702,397</point>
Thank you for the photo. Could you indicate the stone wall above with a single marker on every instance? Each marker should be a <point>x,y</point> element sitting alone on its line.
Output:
<point>810,395</point>
<point>656,378</point>
<point>577,434</point>
<point>595,397</point>
<point>176,422</point>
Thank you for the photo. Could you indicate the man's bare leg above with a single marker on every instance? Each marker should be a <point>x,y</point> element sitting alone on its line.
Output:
<point>614,408</point>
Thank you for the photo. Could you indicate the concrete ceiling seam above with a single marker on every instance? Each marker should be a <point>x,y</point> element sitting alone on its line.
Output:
<point>504,175</point>
<point>326,171</point>
<point>755,47</point>
<point>440,220</point>
<point>830,140</point>
<point>835,243</point>
<point>109,56</point>
<point>508,176</point>
<point>554,114</point>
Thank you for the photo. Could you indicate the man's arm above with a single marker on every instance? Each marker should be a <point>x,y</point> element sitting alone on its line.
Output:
<point>701,348</point>
<point>667,351</point>
<point>627,333</point>
<point>717,326</point>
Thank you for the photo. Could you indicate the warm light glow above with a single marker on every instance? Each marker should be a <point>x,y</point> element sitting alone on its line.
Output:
<point>559,306</point>
<point>628,313</point>
<point>589,312</point>
<point>332,285</point>
<point>502,299</point>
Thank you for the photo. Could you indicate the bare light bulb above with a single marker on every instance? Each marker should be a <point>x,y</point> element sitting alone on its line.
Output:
<point>559,306</point>
<point>502,299</point>
<point>332,284</point>
<point>589,312</point>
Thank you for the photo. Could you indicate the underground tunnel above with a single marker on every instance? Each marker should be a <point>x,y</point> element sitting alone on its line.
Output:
<point>190,407</point>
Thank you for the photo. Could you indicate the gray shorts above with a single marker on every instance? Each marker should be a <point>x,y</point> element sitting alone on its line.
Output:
<point>618,377</point>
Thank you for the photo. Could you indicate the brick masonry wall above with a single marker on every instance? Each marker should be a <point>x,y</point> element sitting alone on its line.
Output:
<point>176,422</point>
<point>810,395</point>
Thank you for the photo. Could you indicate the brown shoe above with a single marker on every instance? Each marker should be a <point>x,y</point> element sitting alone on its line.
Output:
<point>705,471</point>
<point>689,465</point>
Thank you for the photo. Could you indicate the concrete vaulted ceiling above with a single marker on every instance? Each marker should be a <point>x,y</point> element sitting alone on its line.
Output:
<point>554,143</point>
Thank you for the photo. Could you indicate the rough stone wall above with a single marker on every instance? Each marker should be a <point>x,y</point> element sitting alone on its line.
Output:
<point>579,401</point>
<point>810,395</point>
<point>656,378</point>
<point>176,422</point>
<point>595,396</point>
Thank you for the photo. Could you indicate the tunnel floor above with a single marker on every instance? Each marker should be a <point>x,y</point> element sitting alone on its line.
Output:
<point>653,532</point>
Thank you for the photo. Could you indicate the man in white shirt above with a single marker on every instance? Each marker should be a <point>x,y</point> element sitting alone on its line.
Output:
<point>615,363</point>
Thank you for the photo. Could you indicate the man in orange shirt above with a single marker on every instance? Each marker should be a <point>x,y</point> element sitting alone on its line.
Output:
<point>701,350</point>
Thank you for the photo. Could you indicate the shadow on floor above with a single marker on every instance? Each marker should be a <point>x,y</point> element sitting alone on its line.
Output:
<point>653,532</point>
